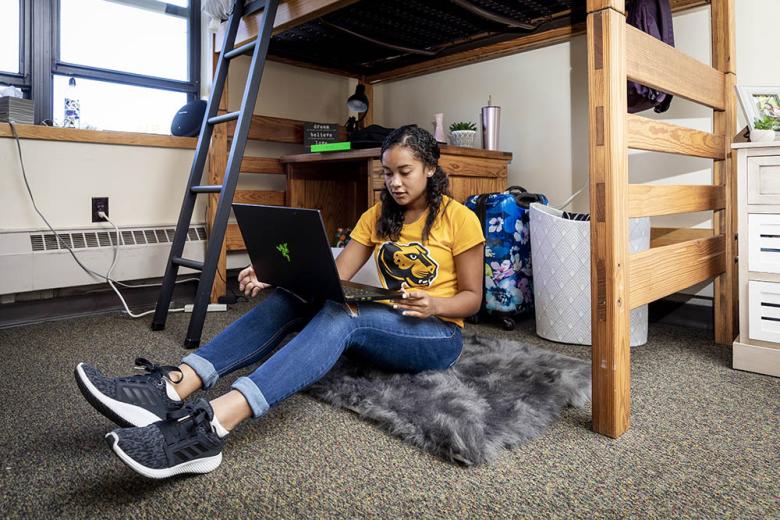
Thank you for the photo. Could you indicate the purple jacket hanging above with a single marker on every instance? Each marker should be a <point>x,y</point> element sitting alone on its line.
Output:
<point>655,18</point>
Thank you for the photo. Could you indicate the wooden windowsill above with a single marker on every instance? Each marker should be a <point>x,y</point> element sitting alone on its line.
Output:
<point>49,133</point>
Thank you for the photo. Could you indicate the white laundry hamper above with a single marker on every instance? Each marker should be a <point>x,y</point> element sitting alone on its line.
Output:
<point>560,257</point>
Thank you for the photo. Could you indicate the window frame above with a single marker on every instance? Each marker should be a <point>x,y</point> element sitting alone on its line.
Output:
<point>21,79</point>
<point>46,62</point>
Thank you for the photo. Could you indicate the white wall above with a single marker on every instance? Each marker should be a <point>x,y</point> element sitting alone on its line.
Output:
<point>145,185</point>
<point>543,95</point>
<point>543,98</point>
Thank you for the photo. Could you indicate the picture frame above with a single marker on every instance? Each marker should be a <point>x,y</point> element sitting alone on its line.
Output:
<point>758,102</point>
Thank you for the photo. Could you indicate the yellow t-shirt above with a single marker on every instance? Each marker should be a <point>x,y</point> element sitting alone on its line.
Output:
<point>429,267</point>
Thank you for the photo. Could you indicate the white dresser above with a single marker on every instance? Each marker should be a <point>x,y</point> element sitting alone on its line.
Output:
<point>757,348</point>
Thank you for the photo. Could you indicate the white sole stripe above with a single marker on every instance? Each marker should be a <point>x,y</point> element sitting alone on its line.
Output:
<point>131,413</point>
<point>204,465</point>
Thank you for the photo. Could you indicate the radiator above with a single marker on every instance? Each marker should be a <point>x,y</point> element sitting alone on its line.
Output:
<point>33,261</point>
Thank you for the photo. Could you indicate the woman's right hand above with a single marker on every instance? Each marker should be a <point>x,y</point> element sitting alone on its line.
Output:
<point>248,283</point>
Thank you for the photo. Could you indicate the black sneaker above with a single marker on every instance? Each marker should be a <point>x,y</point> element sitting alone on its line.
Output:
<point>130,401</point>
<point>183,443</point>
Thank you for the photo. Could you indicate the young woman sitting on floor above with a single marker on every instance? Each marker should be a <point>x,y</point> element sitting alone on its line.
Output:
<point>424,243</point>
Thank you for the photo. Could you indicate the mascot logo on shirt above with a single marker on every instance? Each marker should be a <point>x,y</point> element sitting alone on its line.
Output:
<point>410,263</point>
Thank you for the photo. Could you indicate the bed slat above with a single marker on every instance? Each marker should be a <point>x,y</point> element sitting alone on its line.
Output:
<point>662,271</point>
<point>276,129</point>
<point>658,65</point>
<point>265,197</point>
<point>661,236</point>
<point>261,165</point>
<point>648,200</point>
<point>497,50</point>
<point>658,136</point>
<point>233,239</point>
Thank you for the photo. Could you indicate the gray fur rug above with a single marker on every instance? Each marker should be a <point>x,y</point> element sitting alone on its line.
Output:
<point>499,394</point>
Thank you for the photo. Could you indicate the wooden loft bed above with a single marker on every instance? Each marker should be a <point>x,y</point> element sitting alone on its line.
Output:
<point>617,52</point>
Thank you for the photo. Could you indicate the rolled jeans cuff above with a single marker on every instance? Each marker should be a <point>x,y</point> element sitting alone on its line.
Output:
<point>253,395</point>
<point>203,367</point>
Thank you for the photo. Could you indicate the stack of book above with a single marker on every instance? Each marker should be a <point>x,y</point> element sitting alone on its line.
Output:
<point>16,109</point>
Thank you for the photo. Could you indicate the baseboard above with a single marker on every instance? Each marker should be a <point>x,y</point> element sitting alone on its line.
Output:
<point>53,305</point>
<point>756,358</point>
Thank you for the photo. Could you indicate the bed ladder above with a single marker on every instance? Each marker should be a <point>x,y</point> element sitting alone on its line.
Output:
<point>259,49</point>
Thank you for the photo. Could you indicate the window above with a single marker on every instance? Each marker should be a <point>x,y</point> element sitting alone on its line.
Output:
<point>142,70</point>
<point>114,106</point>
<point>10,32</point>
<point>139,38</point>
<point>14,43</point>
<point>135,62</point>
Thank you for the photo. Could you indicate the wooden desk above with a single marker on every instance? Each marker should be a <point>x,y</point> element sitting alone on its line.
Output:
<point>344,184</point>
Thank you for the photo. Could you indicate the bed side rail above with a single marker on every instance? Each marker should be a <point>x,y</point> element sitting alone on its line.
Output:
<point>655,64</point>
<point>662,271</point>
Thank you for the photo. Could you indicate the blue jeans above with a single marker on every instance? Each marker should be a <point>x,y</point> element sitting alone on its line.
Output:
<point>378,335</point>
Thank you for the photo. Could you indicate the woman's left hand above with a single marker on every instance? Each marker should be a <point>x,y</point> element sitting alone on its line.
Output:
<point>416,304</point>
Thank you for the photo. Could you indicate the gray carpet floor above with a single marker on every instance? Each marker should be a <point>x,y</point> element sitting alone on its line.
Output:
<point>704,442</point>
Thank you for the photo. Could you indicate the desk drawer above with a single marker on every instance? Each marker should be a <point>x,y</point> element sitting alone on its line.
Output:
<point>764,311</point>
<point>764,242</point>
<point>763,179</point>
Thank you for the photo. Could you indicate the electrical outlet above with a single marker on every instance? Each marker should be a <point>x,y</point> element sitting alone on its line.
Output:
<point>99,204</point>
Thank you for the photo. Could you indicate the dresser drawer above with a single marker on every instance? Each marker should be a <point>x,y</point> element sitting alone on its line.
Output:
<point>764,311</point>
<point>763,178</point>
<point>764,242</point>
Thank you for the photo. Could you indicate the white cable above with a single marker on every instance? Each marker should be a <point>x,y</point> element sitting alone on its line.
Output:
<point>568,201</point>
<point>113,264</point>
<point>62,242</point>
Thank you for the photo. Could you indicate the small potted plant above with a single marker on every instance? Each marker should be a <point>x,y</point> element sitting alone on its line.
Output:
<point>763,130</point>
<point>463,133</point>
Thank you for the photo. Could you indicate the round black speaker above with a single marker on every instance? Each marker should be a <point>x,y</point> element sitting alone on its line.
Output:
<point>187,121</point>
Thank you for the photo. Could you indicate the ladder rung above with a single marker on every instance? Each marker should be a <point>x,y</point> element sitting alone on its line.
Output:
<point>186,262</point>
<point>223,118</point>
<point>206,188</point>
<point>238,51</point>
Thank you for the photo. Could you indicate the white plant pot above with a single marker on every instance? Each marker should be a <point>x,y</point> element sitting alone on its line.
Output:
<point>762,136</point>
<point>463,138</point>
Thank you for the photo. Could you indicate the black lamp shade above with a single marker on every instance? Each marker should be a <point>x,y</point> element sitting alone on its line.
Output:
<point>358,102</point>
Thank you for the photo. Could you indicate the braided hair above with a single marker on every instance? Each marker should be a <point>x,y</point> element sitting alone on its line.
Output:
<point>425,149</point>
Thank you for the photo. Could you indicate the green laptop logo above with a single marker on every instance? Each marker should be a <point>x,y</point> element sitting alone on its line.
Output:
<point>282,248</point>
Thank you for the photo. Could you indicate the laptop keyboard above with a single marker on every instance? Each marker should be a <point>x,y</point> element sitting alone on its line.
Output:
<point>357,293</point>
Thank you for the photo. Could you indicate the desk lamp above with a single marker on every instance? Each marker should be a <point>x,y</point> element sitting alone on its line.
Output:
<point>357,102</point>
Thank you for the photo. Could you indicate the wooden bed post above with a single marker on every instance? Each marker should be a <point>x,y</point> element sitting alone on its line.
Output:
<point>724,172</point>
<point>608,163</point>
<point>218,152</point>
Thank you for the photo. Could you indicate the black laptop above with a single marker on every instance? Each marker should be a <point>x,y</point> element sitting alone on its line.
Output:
<point>289,248</point>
